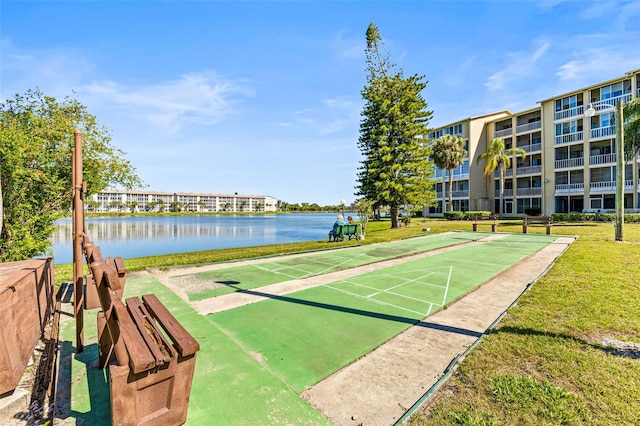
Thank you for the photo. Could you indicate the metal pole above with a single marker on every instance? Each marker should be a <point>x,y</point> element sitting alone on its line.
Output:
<point>619,220</point>
<point>78,229</point>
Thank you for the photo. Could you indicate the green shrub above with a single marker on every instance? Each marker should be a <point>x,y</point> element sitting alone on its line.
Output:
<point>454,215</point>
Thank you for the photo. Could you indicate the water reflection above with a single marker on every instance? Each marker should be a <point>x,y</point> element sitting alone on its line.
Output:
<point>152,235</point>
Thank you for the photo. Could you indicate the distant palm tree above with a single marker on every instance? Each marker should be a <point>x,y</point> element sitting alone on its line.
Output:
<point>498,157</point>
<point>447,152</point>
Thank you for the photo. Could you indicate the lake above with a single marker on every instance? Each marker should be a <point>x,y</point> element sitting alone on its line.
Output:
<point>138,236</point>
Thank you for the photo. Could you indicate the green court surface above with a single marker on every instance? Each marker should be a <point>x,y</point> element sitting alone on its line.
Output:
<point>255,360</point>
<point>204,285</point>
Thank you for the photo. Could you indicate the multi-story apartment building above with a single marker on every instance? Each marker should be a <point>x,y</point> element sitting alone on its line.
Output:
<point>144,201</point>
<point>570,161</point>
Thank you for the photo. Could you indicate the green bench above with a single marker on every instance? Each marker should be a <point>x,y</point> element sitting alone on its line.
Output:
<point>345,231</point>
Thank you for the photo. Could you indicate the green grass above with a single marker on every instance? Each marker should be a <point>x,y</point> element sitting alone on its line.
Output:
<point>546,362</point>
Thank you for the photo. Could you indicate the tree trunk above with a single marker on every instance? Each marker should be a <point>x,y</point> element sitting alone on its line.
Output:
<point>503,173</point>
<point>395,222</point>
<point>450,190</point>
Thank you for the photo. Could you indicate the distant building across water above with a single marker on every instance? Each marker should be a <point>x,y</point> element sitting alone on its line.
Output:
<point>149,201</point>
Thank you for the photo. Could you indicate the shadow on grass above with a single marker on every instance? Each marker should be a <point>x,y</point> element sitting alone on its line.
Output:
<point>621,352</point>
<point>371,314</point>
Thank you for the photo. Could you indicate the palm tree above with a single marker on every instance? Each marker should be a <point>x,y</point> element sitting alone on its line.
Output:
<point>447,152</point>
<point>632,126</point>
<point>497,156</point>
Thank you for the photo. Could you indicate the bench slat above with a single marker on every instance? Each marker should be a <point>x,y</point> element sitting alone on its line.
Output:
<point>184,342</point>
<point>159,347</point>
<point>140,358</point>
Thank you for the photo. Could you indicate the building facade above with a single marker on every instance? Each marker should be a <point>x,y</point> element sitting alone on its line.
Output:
<point>570,156</point>
<point>148,201</point>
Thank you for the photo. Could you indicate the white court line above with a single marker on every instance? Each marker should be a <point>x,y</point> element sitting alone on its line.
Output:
<point>374,300</point>
<point>341,263</point>
<point>446,289</point>
<point>404,283</point>
<point>384,291</point>
<point>274,271</point>
<point>476,262</point>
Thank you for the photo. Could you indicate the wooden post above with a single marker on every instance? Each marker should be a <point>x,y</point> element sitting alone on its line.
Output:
<point>78,230</point>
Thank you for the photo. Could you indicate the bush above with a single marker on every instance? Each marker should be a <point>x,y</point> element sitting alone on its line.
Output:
<point>593,217</point>
<point>454,215</point>
<point>406,219</point>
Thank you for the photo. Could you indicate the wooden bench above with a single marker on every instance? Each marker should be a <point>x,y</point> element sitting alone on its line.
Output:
<point>149,354</point>
<point>478,220</point>
<point>547,221</point>
<point>345,231</point>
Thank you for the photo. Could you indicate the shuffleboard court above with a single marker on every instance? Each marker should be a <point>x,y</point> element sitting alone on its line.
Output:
<point>303,337</point>
<point>218,282</point>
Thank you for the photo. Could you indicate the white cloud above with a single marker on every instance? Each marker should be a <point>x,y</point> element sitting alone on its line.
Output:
<point>592,64</point>
<point>194,98</point>
<point>520,64</point>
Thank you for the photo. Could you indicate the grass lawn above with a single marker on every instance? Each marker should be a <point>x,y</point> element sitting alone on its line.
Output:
<point>548,362</point>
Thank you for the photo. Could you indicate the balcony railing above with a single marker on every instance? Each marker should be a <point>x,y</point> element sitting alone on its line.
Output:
<point>570,162</point>
<point>609,186</point>
<point>504,132</point>
<point>507,193</point>
<point>509,173</point>
<point>571,112</point>
<point>569,137</point>
<point>596,160</point>
<point>531,148</point>
<point>606,104</point>
<point>461,194</point>
<point>528,127</point>
<point>529,170</point>
<point>568,188</point>
<point>602,132</point>
<point>529,192</point>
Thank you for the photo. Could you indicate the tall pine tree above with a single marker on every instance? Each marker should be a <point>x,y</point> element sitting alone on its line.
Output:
<point>396,169</point>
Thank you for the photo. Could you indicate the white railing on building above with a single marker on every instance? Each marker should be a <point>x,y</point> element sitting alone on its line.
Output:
<point>602,132</point>
<point>595,160</point>
<point>507,193</point>
<point>461,194</point>
<point>606,103</point>
<point>529,170</point>
<point>569,188</point>
<point>531,148</point>
<point>529,192</point>
<point>528,127</point>
<point>503,132</point>
<point>571,112</point>
<point>609,186</point>
<point>570,162</point>
<point>569,137</point>
<point>509,173</point>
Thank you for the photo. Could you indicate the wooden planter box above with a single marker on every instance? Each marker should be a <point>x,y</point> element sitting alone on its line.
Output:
<point>26,305</point>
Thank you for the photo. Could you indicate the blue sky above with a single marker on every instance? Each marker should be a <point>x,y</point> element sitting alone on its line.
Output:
<point>260,97</point>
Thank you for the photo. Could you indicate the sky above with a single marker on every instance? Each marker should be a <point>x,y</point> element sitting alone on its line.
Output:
<point>263,97</point>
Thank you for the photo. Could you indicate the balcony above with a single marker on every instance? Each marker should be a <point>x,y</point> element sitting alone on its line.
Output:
<point>530,170</point>
<point>606,104</point>
<point>609,186</point>
<point>507,193</point>
<point>570,162</point>
<point>596,160</point>
<point>568,113</point>
<point>569,137</point>
<point>570,188</point>
<point>461,194</point>
<point>509,173</point>
<point>529,192</point>
<point>603,132</point>
<point>528,127</point>
<point>531,148</point>
<point>503,132</point>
